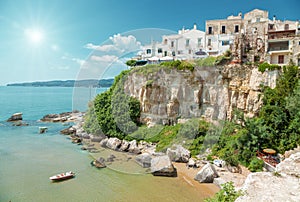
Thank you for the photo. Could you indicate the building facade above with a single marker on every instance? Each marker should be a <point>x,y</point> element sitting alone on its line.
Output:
<point>187,44</point>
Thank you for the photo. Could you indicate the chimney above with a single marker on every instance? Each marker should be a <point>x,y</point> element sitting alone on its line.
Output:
<point>274,18</point>
<point>195,26</point>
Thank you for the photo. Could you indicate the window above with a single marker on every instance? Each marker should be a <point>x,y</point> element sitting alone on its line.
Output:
<point>165,41</point>
<point>159,50</point>
<point>271,26</point>
<point>257,19</point>
<point>199,41</point>
<point>223,29</point>
<point>209,30</point>
<point>225,43</point>
<point>165,53</point>
<point>173,53</point>
<point>172,44</point>
<point>280,59</point>
<point>299,43</point>
<point>148,51</point>
<point>209,42</point>
<point>286,27</point>
<point>190,51</point>
<point>187,42</point>
<point>236,28</point>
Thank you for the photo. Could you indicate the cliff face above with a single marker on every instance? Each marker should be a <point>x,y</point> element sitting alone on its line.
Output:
<point>168,95</point>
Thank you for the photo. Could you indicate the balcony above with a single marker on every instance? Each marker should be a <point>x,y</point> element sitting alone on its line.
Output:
<point>278,46</point>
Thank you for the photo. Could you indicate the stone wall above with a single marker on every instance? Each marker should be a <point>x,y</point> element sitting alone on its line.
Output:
<point>212,92</point>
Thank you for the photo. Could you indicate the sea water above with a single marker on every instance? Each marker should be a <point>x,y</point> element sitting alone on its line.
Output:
<point>28,159</point>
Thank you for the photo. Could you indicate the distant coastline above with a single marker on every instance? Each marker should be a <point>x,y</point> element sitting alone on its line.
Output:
<point>67,83</point>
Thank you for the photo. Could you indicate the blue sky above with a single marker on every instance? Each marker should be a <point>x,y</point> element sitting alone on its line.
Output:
<point>48,40</point>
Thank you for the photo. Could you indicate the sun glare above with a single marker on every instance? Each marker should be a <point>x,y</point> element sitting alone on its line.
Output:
<point>35,36</point>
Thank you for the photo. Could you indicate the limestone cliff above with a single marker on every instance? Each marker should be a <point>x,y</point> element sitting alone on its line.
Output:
<point>167,95</point>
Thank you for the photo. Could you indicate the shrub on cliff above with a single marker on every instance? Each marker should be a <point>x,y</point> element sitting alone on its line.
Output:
<point>256,165</point>
<point>226,194</point>
<point>116,113</point>
<point>277,125</point>
<point>180,65</point>
<point>266,66</point>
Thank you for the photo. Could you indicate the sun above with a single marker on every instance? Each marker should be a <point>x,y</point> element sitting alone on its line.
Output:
<point>34,35</point>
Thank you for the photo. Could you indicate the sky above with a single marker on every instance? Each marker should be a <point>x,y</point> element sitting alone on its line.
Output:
<point>79,39</point>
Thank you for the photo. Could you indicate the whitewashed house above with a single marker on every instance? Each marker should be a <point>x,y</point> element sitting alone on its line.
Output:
<point>187,44</point>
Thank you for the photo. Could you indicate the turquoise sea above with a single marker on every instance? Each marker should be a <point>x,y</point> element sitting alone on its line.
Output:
<point>28,159</point>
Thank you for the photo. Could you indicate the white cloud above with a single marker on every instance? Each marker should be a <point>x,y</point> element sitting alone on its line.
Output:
<point>104,58</point>
<point>118,45</point>
<point>79,61</point>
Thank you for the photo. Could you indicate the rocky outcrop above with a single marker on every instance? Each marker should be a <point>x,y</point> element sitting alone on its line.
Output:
<point>63,117</point>
<point>133,147</point>
<point>213,92</point>
<point>207,174</point>
<point>15,117</point>
<point>99,163</point>
<point>178,153</point>
<point>124,146</point>
<point>162,166</point>
<point>290,166</point>
<point>144,160</point>
<point>68,131</point>
<point>283,185</point>
<point>113,143</point>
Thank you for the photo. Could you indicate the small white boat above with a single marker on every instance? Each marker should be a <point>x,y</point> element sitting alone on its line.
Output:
<point>62,176</point>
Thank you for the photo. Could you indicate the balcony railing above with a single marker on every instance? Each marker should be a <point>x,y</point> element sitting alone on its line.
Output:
<point>278,48</point>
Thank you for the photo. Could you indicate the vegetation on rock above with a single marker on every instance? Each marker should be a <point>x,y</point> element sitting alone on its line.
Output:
<point>226,194</point>
<point>276,127</point>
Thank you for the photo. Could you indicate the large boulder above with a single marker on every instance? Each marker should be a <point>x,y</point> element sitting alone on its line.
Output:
<point>68,131</point>
<point>95,138</point>
<point>162,166</point>
<point>206,174</point>
<point>113,143</point>
<point>290,166</point>
<point>266,186</point>
<point>178,153</point>
<point>15,117</point>
<point>124,146</point>
<point>133,148</point>
<point>103,142</point>
<point>144,160</point>
<point>99,163</point>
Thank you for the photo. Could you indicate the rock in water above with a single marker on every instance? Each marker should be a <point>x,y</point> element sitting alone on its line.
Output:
<point>68,131</point>
<point>144,160</point>
<point>178,153</point>
<point>15,117</point>
<point>162,166</point>
<point>206,174</point>
<point>99,163</point>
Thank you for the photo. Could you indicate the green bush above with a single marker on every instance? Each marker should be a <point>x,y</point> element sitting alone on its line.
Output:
<point>116,113</point>
<point>206,62</point>
<point>226,194</point>
<point>266,66</point>
<point>131,63</point>
<point>180,65</point>
<point>256,165</point>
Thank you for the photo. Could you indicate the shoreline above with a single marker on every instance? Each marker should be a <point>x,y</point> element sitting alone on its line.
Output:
<point>124,161</point>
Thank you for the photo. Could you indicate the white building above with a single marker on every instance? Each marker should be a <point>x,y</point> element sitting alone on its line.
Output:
<point>187,44</point>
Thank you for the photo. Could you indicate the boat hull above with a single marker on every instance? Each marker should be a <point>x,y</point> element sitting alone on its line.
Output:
<point>61,177</point>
